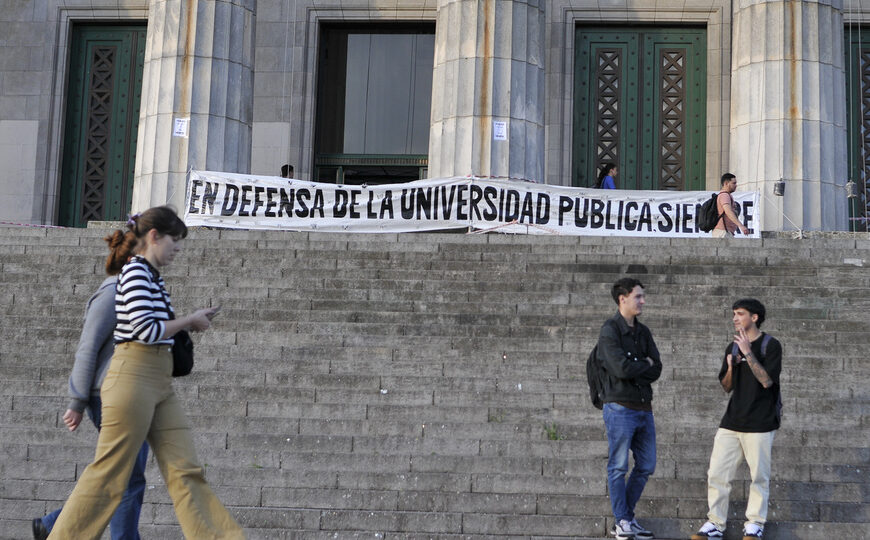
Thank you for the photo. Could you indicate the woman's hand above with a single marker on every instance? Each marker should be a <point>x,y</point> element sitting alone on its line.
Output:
<point>198,321</point>
<point>201,319</point>
<point>72,419</point>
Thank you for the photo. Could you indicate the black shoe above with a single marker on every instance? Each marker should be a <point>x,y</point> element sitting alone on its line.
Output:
<point>39,530</point>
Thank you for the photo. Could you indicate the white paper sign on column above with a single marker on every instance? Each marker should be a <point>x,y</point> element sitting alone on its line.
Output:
<point>180,127</point>
<point>499,131</point>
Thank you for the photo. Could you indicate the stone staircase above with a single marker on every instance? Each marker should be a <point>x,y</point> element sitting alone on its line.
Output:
<point>433,386</point>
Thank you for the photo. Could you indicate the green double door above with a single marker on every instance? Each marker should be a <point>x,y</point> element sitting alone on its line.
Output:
<point>639,102</point>
<point>102,118</point>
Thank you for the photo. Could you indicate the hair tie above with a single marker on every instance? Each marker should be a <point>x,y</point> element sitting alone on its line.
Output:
<point>131,221</point>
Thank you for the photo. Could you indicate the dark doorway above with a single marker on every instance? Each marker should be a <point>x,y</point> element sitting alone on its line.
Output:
<point>101,123</point>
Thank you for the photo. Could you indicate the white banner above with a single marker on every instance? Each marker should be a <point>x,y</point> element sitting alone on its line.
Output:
<point>242,201</point>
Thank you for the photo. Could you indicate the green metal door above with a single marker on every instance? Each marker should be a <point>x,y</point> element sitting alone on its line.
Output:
<point>102,119</point>
<point>640,98</point>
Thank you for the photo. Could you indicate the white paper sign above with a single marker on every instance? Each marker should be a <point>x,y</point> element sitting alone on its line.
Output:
<point>180,128</point>
<point>499,131</point>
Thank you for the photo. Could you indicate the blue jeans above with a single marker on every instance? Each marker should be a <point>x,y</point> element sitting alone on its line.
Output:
<point>628,429</point>
<point>125,521</point>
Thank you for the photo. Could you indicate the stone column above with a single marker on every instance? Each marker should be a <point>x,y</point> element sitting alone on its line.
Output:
<point>199,61</point>
<point>489,67</point>
<point>788,110</point>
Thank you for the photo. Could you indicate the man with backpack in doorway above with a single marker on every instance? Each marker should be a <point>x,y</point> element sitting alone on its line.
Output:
<point>750,372</point>
<point>629,363</point>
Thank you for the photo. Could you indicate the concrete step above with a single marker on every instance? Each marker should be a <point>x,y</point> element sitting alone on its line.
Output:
<point>406,386</point>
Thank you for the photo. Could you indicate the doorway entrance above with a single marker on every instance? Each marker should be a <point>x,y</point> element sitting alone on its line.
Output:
<point>101,122</point>
<point>640,98</point>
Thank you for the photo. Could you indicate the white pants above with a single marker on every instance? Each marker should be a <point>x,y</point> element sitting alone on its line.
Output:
<point>729,449</point>
<point>721,233</point>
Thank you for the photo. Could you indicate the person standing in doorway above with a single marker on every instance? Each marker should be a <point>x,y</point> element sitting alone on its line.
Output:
<point>606,176</point>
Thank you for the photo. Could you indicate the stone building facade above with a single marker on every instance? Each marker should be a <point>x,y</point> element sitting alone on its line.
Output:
<point>106,104</point>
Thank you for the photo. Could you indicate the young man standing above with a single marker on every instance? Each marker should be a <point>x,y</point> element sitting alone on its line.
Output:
<point>727,209</point>
<point>750,372</point>
<point>631,360</point>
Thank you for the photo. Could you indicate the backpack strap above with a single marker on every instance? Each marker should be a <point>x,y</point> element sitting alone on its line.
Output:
<point>721,215</point>
<point>735,351</point>
<point>764,341</point>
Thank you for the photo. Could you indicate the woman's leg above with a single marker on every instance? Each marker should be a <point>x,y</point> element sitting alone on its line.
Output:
<point>128,406</point>
<point>200,513</point>
<point>49,519</point>
<point>125,522</point>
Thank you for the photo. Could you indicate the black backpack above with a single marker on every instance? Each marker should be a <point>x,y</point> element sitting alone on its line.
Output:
<point>595,376</point>
<point>707,216</point>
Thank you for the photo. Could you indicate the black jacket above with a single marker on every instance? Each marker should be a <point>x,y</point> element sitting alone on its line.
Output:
<point>623,352</point>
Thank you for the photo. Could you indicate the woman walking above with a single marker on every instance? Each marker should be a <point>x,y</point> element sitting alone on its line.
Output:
<point>138,400</point>
<point>89,369</point>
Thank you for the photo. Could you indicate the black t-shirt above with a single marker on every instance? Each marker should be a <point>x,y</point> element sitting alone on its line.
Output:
<point>753,408</point>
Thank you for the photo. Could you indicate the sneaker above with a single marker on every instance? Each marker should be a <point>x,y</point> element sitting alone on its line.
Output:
<point>622,530</point>
<point>39,530</point>
<point>639,532</point>
<point>708,530</point>
<point>752,531</point>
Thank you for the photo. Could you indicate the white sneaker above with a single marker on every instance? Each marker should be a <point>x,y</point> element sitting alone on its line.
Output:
<point>622,530</point>
<point>639,532</point>
<point>708,530</point>
<point>752,531</point>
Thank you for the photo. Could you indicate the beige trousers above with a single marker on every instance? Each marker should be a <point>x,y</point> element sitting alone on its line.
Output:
<point>729,449</point>
<point>138,403</point>
<point>721,233</point>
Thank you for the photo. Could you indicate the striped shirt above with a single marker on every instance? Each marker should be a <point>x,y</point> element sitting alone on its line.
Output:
<point>141,304</point>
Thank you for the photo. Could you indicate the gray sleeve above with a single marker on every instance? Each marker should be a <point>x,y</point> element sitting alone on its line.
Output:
<point>97,330</point>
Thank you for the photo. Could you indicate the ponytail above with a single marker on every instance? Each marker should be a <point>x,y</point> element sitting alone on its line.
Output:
<point>123,244</point>
<point>121,247</point>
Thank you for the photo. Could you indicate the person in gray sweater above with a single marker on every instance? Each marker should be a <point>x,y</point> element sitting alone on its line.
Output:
<point>95,349</point>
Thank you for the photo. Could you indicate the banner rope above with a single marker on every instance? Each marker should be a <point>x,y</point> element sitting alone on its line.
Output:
<point>514,222</point>
<point>782,211</point>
